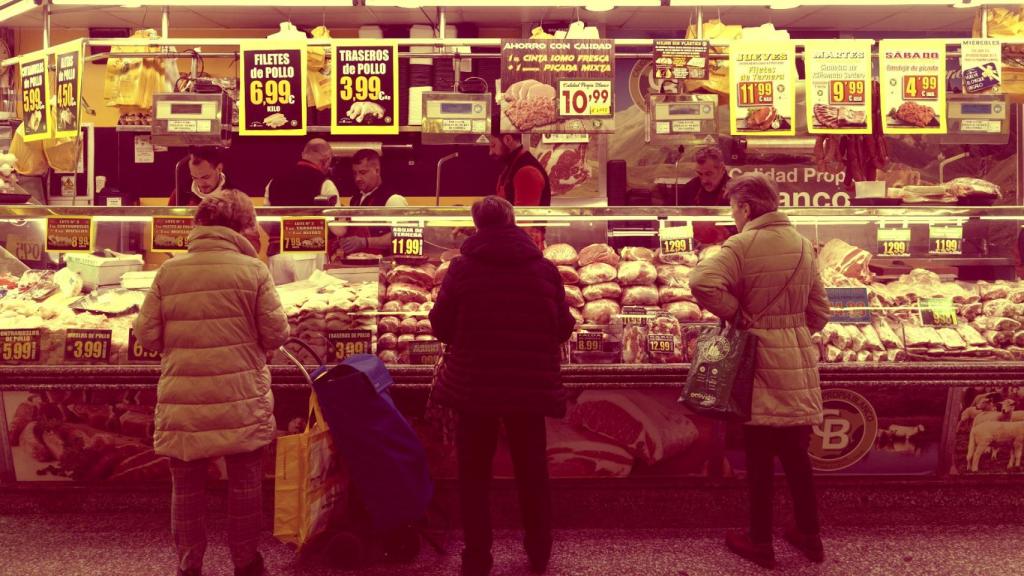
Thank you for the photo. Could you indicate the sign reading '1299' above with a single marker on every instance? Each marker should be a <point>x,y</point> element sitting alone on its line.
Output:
<point>273,98</point>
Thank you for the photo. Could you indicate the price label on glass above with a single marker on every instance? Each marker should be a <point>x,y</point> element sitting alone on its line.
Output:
<point>661,344</point>
<point>636,315</point>
<point>937,311</point>
<point>756,93</point>
<point>303,234</point>
<point>137,353</point>
<point>20,346</point>
<point>894,242</point>
<point>68,234</point>
<point>945,240</point>
<point>849,305</point>
<point>847,92</point>
<point>676,239</point>
<point>347,343</point>
<point>920,87</point>
<point>407,241</point>
<point>425,352</point>
<point>87,346</point>
<point>585,98</point>
<point>589,342</point>
<point>170,233</point>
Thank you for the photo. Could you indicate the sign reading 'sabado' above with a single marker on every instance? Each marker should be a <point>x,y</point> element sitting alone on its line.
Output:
<point>762,82</point>
<point>558,86</point>
<point>34,96</point>
<point>365,87</point>
<point>912,74</point>
<point>69,90</point>
<point>838,87</point>
<point>272,101</point>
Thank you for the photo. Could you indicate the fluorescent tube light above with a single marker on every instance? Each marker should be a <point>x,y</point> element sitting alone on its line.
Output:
<point>15,8</point>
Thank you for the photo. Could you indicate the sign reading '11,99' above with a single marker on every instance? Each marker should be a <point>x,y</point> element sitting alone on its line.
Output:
<point>273,89</point>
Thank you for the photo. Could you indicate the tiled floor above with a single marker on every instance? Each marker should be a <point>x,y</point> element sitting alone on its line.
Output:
<point>136,544</point>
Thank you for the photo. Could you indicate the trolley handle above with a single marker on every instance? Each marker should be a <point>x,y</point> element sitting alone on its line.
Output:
<point>291,357</point>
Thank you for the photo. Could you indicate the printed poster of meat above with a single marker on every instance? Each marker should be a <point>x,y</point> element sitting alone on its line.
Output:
<point>838,87</point>
<point>875,431</point>
<point>557,86</point>
<point>913,81</point>
<point>570,166</point>
<point>987,430</point>
<point>762,88</point>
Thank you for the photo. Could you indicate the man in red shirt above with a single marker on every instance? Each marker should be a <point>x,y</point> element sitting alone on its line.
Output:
<point>523,182</point>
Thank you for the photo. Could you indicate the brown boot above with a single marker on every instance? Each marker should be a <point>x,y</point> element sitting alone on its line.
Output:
<point>809,544</point>
<point>761,554</point>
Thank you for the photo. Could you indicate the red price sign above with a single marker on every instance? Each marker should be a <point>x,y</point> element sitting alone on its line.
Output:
<point>920,87</point>
<point>846,92</point>
<point>585,98</point>
<point>756,93</point>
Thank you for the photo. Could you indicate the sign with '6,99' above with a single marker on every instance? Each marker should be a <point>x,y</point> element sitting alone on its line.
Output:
<point>273,89</point>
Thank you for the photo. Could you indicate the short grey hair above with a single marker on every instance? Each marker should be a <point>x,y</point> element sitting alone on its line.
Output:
<point>229,208</point>
<point>756,190</point>
<point>706,153</point>
<point>493,212</point>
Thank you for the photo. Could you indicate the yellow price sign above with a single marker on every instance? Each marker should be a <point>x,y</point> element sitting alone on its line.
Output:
<point>660,344</point>
<point>87,346</point>
<point>360,88</point>
<point>946,240</point>
<point>407,241</point>
<point>137,352</point>
<point>350,342</point>
<point>19,346</point>
<point>589,342</point>
<point>585,98</point>
<point>756,93</point>
<point>920,87</point>
<point>847,92</point>
<point>32,100</point>
<point>938,311</point>
<point>894,242</point>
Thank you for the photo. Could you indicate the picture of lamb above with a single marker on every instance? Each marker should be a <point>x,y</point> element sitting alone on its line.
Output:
<point>986,434</point>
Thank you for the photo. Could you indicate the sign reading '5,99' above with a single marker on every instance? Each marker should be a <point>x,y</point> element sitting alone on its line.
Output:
<point>273,98</point>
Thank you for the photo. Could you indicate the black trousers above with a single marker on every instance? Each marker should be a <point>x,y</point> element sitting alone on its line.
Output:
<point>763,444</point>
<point>476,440</point>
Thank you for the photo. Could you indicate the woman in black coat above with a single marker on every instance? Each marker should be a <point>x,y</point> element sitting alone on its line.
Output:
<point>503,315</point>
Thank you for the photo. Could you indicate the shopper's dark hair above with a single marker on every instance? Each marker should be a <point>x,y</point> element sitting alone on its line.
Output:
<point>493,212</point>
<point>755,189</point>
<point>365,155</point>
<point>212,154</point>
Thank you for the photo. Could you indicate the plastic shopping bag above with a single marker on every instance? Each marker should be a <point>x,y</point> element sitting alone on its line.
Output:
<point>310,482</point>
<point>721,379</point>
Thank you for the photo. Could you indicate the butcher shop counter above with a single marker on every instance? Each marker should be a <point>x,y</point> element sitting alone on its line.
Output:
<point>894,420</point>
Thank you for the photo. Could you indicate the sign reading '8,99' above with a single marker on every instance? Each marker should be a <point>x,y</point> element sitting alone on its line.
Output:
<point>273,97</point>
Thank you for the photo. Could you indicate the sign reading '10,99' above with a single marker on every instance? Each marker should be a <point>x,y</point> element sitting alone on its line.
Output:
<point>273,89</point>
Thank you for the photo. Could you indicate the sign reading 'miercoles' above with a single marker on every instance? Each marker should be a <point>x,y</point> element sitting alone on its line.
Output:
<point>365,87</point>
<point>912,74</point>
<point>557,86</point>
<point>273,96</point>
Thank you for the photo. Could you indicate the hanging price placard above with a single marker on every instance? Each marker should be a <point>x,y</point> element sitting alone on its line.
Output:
<point>303,234</point>
<point>407,241</point>
<point>138,353</point>
<point>912,74</point>
<point>945,240</point>
<point>366,96</point>
<point>272,101</point>
<point>68,234</point>
<point>557,86</point>
<point>894,242</point>
<point>87,346</point>
<point>762,99</point>
<point>937,311</point>
<point>681,59</point>
<point>20,346</point>
<point>981,61</point>
<point>170,233</point>
<point>838,86</point>
<point>69,89</point>
<point>676,239</point>
<point>345,343</point>
<point>34,97</point>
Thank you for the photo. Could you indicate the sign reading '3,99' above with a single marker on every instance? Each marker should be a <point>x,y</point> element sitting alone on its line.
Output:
<point>365,87</point>
<point>273,98</point>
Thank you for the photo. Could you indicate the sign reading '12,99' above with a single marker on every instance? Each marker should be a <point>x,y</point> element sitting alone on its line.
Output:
<point>273,89</point>
<point>365,87</point>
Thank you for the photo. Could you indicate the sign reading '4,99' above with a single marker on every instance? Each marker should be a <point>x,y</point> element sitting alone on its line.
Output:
<point>273,98</point>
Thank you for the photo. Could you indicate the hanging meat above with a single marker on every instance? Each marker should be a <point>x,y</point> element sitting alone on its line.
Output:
<point>860,156</point>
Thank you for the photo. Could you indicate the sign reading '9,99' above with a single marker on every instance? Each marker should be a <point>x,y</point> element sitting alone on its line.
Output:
<point>366,87</point>
<point>273,98</point>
